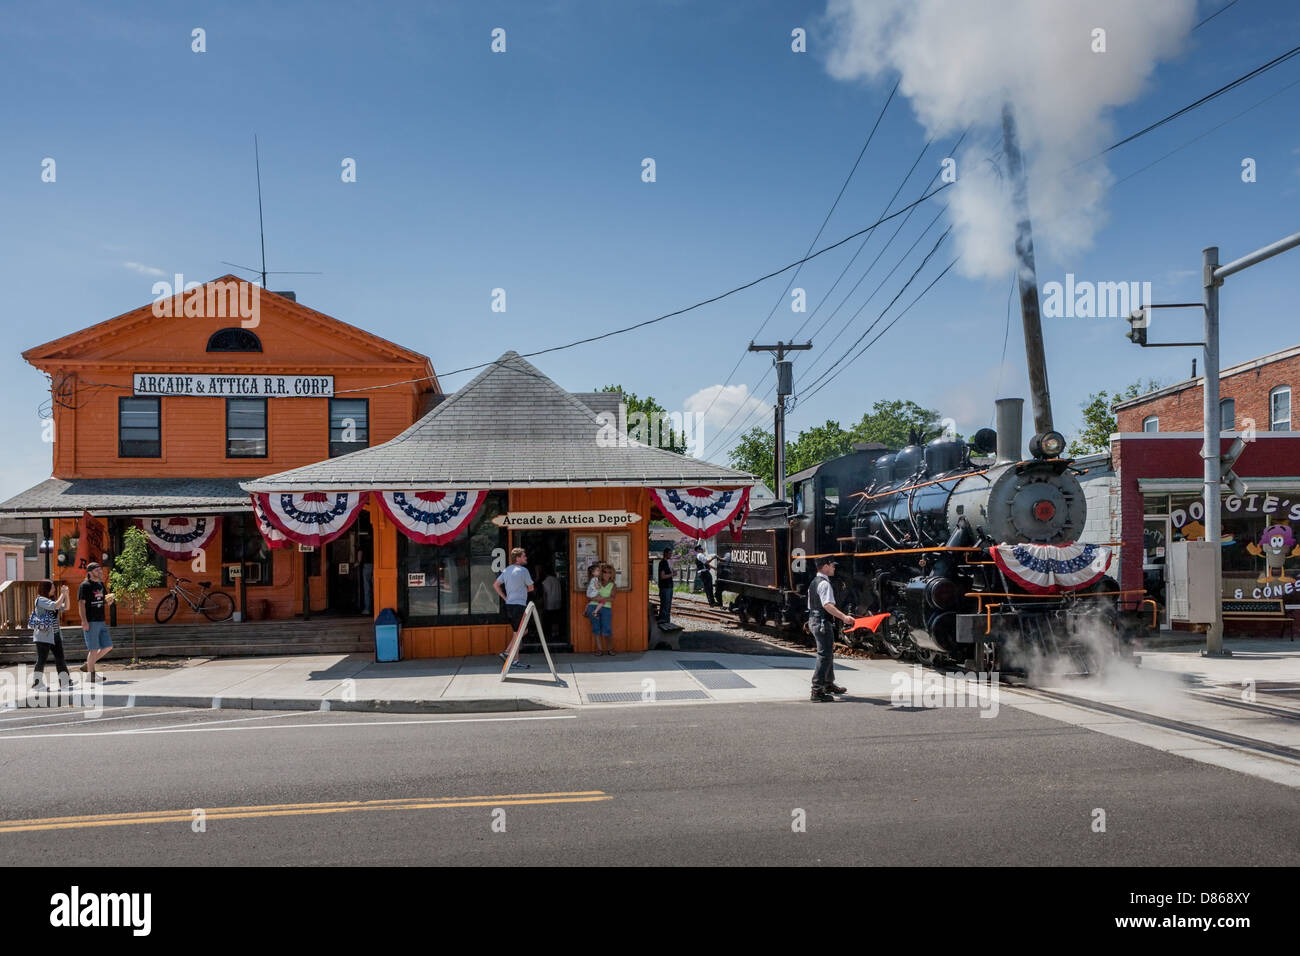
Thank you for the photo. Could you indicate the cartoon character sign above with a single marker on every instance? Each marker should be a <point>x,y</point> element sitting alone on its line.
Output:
<point>1276,545</point>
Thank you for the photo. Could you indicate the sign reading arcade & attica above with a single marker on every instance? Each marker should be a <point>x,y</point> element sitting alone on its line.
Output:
<point>234,386</point>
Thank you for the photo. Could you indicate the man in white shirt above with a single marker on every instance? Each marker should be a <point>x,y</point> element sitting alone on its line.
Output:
<point>513,585</point>
<point>822,614</point>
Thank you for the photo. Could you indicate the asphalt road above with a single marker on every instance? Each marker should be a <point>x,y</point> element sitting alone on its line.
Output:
<point>652,784</point>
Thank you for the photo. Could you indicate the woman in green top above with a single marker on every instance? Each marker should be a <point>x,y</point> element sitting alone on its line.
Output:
<point>603,618</point>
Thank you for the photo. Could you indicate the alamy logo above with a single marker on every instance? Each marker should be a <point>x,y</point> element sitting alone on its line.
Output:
<point>75,908</point>
<point>1093,300</point>
<point>215,300</point>
<point>656,429</point>
<point>920,689</point>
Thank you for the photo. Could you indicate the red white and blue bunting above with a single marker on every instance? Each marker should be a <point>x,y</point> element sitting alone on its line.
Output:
<point>179,537</point>
<point>312,517</point>
<point>1051,569</point>
<point>432,517</point>
<point>701,512</point>
<point>273,536</point>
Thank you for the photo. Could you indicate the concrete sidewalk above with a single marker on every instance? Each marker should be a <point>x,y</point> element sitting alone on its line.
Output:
<point>473,684</point>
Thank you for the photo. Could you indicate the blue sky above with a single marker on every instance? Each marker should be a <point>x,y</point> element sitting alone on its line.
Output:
<point>522,171</point>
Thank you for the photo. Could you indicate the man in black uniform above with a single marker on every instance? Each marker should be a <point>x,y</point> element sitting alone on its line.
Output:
<point>822,614</point>
<point>665,588</point>
<point>704,573</point>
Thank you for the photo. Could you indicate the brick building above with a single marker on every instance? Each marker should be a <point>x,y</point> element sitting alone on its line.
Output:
<point>1157,458</point>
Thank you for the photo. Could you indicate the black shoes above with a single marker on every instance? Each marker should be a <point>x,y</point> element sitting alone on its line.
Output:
<point>821,698</point>
<point>836,689</point>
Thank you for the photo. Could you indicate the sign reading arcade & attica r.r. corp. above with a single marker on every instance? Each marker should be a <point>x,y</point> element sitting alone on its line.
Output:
<point>235,386</point>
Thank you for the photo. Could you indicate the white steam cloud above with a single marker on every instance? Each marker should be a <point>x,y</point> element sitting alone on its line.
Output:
<point>960,60</point>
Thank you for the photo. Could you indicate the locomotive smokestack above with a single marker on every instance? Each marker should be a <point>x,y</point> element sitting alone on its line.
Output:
<point>1010,421</point>
<point>1039,391</point>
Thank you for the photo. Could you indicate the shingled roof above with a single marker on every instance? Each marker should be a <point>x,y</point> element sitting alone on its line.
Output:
<point>509,427</point>
<point>64,498</point>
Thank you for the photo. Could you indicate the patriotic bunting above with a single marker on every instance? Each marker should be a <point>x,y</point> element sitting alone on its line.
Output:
<point>312,517</point>
<point>1051,569</point>
<point>432,517</point>
<point>701,512</point>
<point>274,537</point>
<point>179,537</point>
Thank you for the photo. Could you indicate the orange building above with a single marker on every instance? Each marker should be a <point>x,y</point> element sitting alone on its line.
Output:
<point>159,413</point>
<point>378,490</point>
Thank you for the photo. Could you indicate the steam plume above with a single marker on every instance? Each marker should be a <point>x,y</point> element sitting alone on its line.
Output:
<point>959,61</point>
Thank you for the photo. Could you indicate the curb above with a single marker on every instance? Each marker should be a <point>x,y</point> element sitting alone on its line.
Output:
<point>469,705</point>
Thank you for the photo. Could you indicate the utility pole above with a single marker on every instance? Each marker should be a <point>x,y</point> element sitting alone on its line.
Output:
<point>784,388</point>
<point>1039,393</point>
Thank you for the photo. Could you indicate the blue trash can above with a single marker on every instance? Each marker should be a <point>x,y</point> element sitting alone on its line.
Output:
<point>387,629</point>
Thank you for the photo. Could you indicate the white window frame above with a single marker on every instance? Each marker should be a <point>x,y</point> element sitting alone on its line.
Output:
<point>1231,424</point>
<point>1155,419</point>
<point>1273,422</point>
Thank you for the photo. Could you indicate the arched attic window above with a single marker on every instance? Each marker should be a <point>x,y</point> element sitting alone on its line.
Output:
<point>234,340</point>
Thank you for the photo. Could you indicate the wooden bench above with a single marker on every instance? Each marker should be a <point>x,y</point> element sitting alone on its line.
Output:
<point>1271,610</point>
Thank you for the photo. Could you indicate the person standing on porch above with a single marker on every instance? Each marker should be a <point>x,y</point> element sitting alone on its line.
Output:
<point>665,587</point>
<point>552,601</point>
<point>513,585</point>
<point>92,598</point>
<point>603,618</point>
<point>46,632</point>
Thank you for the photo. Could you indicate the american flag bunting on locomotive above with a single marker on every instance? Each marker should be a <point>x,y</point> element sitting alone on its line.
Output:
<point>976,563</point>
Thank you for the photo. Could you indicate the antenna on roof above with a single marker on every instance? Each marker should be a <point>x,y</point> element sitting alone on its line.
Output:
<point>261,229</point>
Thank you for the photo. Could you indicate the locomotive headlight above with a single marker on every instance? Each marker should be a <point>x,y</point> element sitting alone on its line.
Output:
<point>1047,445</point>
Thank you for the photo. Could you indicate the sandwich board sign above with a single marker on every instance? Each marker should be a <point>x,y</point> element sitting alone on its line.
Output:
<point>511,653</point>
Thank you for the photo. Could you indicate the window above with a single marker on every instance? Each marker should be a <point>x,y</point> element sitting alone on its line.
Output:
<point>242,543</point>
<point>1279,409</point>
<point>452,583</point>
<point>245,428</point>
<point>1151,423</point>
<point>1227,415</point>
<point>139,429</point>
<point>234,340</point>
<point>349,425</point>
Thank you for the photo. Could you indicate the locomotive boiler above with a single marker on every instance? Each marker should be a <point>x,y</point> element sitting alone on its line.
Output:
<point>975,562</point>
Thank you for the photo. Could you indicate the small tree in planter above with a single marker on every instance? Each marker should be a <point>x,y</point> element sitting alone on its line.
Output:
<point>132,577</point>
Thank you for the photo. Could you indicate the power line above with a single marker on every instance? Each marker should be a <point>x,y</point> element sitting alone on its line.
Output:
<point>780,298</point>
<point>1230,3</point>
<point>1258,71</point>
<point>865,239</point>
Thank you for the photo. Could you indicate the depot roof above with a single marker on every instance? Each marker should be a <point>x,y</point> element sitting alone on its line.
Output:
<point>509,427</point>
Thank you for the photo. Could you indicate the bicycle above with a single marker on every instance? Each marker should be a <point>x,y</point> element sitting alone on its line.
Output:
<point>216,606</point>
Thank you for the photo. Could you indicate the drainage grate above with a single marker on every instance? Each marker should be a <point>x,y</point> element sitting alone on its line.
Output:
<point>714,675</point>
<point>634,696</point>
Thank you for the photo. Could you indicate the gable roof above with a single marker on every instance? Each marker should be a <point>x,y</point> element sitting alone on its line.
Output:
<point>509,427</point>
<point>74,344</point>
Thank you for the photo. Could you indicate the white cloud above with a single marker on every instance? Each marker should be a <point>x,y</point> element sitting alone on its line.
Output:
<point>731,405</point>
<point>143,269</point>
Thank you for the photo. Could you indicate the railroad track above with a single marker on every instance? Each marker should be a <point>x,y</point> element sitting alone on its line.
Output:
<point>770,633</point>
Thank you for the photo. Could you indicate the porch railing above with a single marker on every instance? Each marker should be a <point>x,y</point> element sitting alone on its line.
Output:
<point>17,601</point>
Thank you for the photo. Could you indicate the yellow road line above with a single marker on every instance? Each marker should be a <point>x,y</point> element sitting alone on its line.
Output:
<point>299,809</point>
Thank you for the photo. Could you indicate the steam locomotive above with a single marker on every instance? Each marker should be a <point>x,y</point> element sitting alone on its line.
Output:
<point>975,562</point>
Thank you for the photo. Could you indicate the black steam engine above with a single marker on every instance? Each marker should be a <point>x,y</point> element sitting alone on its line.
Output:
<point>916,531</point>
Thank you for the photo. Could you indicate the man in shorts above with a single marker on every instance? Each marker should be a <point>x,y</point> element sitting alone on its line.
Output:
<point>513,585</point>
<point>93,597</point>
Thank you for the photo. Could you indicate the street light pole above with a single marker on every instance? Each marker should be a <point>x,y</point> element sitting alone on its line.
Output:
<point>1210,450</point>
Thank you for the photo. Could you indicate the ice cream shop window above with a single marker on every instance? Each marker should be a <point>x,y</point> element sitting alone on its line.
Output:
<point>1260,554</point>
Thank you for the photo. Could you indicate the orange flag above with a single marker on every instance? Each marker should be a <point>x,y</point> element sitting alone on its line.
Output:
<point>93,542</point>
<point>871,623</point>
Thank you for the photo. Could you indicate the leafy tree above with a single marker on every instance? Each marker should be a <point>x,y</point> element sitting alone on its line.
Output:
<point>895,423</point>
<point>1098,419</point>
<point>816,445</point>
<point>756,453</point>
<point>655,426</point>
<point>133,575</point>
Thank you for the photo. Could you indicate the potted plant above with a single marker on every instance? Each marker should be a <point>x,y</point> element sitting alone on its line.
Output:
<point>132,577</point>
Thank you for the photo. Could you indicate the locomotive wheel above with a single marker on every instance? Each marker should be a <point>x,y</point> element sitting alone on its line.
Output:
<point>742,612</point>
<point>890,643</point>
<point>927,656</point>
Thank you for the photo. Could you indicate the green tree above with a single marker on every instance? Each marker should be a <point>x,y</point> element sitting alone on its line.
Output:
<point>815,445</point>
<point>132,576</point>
<point>755,453</point>
<point>895,422</point>
<point>1099,420</point>
<point>649,422</point>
